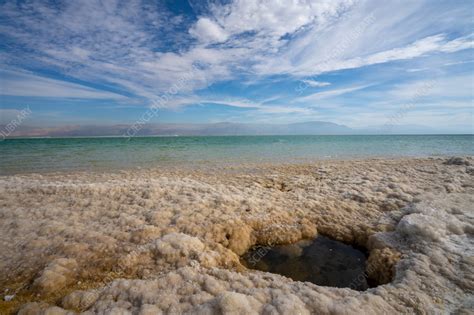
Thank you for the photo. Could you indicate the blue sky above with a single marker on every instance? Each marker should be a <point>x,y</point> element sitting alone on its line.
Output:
<point>354,62</point>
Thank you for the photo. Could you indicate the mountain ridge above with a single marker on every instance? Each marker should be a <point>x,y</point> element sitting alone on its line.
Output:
<point>217,129</point>
<point>172,129</point>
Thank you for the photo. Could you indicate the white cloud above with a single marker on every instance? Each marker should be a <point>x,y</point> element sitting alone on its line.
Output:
<point>7,115</point>
<point>458,63</point>
<point>313,83</point>
<point>208,31</point>
<point>458,44</point>
<point>257,107</point>
<point>276,18</point>
<point>371,32</point>
<point>431,44</point>
<point>239,103</point>
<point>417,69</point>
<point>331,93</point>
<point>24,84</point>
<point>285,110</point>
<point>453,87</point>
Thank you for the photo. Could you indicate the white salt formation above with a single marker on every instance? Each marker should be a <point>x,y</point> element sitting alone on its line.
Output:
<point>168,242</point>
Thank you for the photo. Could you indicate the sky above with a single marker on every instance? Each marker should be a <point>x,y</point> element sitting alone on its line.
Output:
<point>354,62</point>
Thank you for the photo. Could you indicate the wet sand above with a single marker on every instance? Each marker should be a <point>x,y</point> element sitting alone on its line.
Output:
<point>169,241</point>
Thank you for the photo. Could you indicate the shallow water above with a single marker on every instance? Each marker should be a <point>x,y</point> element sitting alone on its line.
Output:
<point>71,154</point>
<point>322,261</point>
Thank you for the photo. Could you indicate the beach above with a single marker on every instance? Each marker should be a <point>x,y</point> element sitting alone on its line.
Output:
<point>169,240</point>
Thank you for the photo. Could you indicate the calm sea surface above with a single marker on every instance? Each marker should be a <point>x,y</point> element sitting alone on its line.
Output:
<point>70,154</point>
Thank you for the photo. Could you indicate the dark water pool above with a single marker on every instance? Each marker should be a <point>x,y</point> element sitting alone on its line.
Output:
<point>322,261</point>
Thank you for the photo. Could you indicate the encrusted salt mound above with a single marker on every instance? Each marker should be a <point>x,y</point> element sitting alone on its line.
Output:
<point>422,227</point>
<point>179,249</point>
<point>231,303</point>
<point>80,300</point>
<point>57,275</point>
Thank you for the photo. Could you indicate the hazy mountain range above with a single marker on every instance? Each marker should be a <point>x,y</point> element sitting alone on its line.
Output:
<point>213,129</point>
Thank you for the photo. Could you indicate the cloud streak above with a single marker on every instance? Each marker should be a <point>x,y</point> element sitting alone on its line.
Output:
<point>330,93</point>
<point>30,85</point>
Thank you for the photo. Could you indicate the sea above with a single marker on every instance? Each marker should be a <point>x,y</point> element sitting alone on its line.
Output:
<point>40,155</point>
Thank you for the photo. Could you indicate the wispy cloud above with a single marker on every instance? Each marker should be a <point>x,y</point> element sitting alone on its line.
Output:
<point>314,83</point>
<point>25,84</point>
<point>454,87</point>
<point>259,107</point>
<point>330,93</point>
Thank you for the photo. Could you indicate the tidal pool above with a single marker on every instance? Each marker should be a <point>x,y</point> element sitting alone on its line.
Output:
<point>322,261</point>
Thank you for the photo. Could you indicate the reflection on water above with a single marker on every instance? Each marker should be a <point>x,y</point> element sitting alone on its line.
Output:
<point>321,261</point>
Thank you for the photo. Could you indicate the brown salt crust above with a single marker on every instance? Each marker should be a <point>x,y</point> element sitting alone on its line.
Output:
<point>381,264</point>
<point>187,228</point>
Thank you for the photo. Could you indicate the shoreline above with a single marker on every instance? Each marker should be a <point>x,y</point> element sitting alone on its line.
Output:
<point>179,233</point>
<point>213,166</point>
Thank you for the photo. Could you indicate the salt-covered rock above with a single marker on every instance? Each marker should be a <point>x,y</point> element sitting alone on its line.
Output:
<point>148,309</point>
<point>457,161</point>
<point>288,303</point>
<point>237,303</point>
<point>80,300</point>
<point>57,275</point>
<point>178,248</point>
<point>421,227</point>
<point>55,310</point>
<point>32,308</point>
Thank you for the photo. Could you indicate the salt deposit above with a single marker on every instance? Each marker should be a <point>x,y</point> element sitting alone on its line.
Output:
<point>169,241</point>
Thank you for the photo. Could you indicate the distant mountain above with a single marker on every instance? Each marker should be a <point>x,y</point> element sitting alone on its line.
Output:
<point>318,127</point>
<point>214,129</point>
<point>223,129</point>
<point>407,129</point>
<point>307,128</point>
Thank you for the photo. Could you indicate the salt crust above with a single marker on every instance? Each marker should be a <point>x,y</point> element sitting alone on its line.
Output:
<point>168,242</point>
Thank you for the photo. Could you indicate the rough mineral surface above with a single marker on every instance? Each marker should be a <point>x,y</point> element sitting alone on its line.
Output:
<point>168,241</point>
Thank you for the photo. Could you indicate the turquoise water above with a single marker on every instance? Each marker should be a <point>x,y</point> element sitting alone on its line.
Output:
<point>65,154</point>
